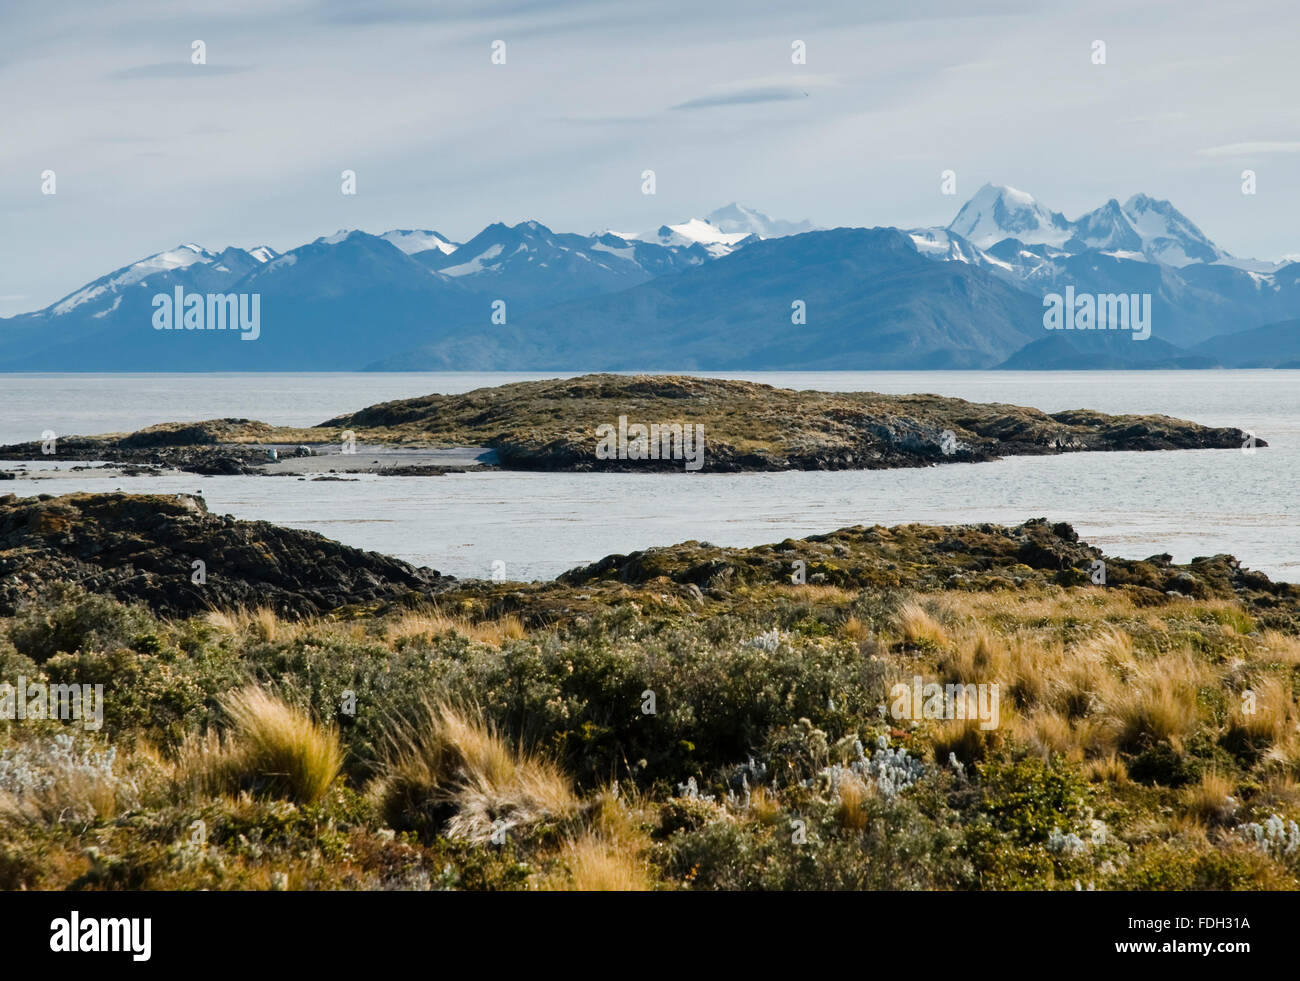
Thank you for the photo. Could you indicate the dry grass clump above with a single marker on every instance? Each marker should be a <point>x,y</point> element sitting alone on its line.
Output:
<point>1210,800</point>
<point>851,811</point>
<point>856,631</point>
<point>1225,612</point>
<point>1281,649</point>
<point>593,864</point>
<point>1281,792</point>
<point>1264,713</point>
<point>452,773</point>
<point>1153,708</point>
<point>1112,646</point>
<point>1284,754</point>
<point>263,623</point>
<point>966,739</point>
<point>821,595</point>
<point>1107,769</point>
<point>432,624</point>
<point>610,856</point>
<point>1008,611</point>
<point>918,628</point>
<point>764,807</point>
<point>977,657</point>
<point>271,748</point>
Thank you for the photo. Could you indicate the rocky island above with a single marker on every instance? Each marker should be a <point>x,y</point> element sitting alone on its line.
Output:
<point>555,425</point>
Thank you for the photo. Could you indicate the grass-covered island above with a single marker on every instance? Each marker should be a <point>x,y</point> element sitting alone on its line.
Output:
<point>307,716</point>
<point>556,425</point>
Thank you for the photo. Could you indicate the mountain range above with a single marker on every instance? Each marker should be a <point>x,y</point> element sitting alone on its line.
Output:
<point>735,290</point>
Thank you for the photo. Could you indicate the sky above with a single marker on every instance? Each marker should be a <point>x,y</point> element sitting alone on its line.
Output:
<point>150,150</point>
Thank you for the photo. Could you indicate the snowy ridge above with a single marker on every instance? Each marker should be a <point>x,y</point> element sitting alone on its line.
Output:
<point>180,257</point>
<point>417,240</point>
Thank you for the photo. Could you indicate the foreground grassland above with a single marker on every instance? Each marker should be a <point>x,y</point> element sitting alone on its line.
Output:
<point>494,736</point>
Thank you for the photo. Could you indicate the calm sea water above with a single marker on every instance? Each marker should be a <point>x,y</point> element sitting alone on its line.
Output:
<point>1131,504</point>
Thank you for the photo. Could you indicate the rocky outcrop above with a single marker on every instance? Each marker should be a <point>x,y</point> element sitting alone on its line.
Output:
<point>927,557</point>
<point>144,548</point>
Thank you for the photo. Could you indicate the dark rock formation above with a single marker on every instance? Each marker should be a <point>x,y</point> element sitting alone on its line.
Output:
<point>143,548</point>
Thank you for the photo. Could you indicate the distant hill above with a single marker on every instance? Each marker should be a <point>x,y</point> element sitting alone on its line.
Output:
<point>1102,352</point>
<point>1271,346</point>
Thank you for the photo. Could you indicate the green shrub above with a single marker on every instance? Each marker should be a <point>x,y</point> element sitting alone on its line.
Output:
<point>69,619</point>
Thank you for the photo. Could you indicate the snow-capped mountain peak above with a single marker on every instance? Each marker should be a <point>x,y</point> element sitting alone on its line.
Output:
<point>339,236</point>
<point>1141,228</point>
<point>1108,228</point>
<point>722,231</point>
<point>1168,236</point>
<point>181,257</point>
<point>412,241</point>
<point>736,218</point>
<point>997,212</point>
<point>698,231</point>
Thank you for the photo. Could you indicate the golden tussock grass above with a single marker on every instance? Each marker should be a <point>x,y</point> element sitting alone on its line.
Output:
<point>1155,706</point>
<point>851,811</point>
<point>261,622</point>
<point>965,739</point>
<point>450,763</point>
<point>1284,754</point>
<point>67,794</point>
<point>1006,611</point>
<point>592,863</point>
<point>431,624</point>
<point>856,631</point>
<point>1209,801</point>
<point>610,855</point>
<point>1264,712</point>
<point>1281,791</point>
<point>1107,769</point>
<point>918,628</point>
<point>820,595</point>
<point>271,748</point>
<point>765,808</point>
<point>1280,649</point>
